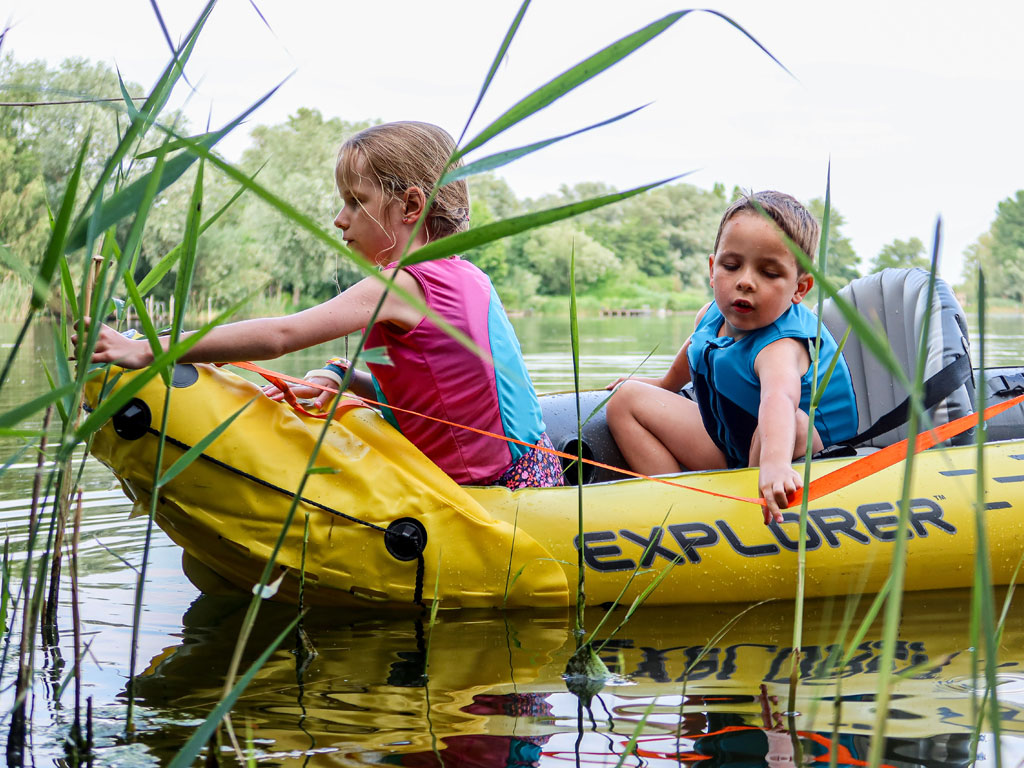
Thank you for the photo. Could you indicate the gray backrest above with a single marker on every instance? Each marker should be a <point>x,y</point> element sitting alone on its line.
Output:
<point>895,300</point>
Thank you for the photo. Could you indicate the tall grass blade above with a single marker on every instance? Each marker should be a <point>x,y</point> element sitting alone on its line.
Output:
<point>894,603</point>
<point>502,50</point>
<point>59,233</point>
<point>67,285</point>
<point>147,114</point>
<point>574,337</point>
<point>162,267</point>
<point>188,753</point>
<point>497,160</point>
<point>148,327</point>
<point>196,450</point>
<point>133,245</point>
<point>127,200</point>
<point>21,268</point>
<point>183,283</point>
<point>113,404</point>
<point>464,241</point>
<point>570,80</point>
<point>21,412</point>
<point>982,599</point>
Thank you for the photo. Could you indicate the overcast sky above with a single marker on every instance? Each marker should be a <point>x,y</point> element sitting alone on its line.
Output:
<point>917,104</point>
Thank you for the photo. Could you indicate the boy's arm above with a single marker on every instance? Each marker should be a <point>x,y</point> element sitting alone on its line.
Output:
<point>779,366</point>
<point>678,374</point>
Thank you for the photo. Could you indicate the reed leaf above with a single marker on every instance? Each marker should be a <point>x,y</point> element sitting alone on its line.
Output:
<point>570,80</point>
<point>148,327</point>
<point>113,404</point>
<point>21,268</point>
<point>497,160</point>
<point>464,241</point>
<point>173,145</point>
<point>894,602</point>
<point>21,412</point>
<point>162,267</point>
<point>982,599</point>
<point>183,283</point>
<point>574,338</point>
<point>145,117</point>
<point>127,200</point>
<point>59,232</point>
<point>630,747</point>
<point>67,284</point>
<point>502,50</point>
<point>133,245</point>
<point>188,753</point>
<point>129,102</point>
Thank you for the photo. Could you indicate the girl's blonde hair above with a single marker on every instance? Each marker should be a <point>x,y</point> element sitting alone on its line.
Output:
<point>409,154</point>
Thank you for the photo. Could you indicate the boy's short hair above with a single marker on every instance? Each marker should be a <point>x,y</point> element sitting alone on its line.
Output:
<point>788,214</point>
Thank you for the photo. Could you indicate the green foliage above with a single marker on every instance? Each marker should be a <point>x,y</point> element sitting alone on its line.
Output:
<point>901,253</point>
<point>300,156</point>
<point>1000,253</point>
<point>547,252</point>
<point>842,259</point>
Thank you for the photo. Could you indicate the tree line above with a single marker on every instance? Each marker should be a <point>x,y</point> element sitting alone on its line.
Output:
<point>648,250</point>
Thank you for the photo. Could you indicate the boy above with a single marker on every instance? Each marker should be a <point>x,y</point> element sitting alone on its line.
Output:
<point>749,358</point>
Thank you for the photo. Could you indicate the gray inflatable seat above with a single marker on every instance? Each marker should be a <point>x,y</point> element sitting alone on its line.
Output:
<point>895,300</point>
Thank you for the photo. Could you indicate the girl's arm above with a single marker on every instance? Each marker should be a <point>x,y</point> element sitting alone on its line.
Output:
<point>779,366</point>
<point>271,337</point>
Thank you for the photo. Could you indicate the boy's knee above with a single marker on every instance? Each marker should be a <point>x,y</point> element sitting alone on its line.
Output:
<point>622,400</point>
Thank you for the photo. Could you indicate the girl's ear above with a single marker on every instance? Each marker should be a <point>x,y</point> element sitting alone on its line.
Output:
<point>804,283</point>
<point>413,204</point>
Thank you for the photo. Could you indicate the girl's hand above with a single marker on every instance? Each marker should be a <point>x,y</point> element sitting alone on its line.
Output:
<point>776,486</point>
<point>112,347</point>
<point>302,392</point>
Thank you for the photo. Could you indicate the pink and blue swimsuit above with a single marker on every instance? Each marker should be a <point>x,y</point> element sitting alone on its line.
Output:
<point>436,375</point>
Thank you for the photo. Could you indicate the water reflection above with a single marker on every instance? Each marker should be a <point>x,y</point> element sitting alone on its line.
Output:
<point>488,690</point>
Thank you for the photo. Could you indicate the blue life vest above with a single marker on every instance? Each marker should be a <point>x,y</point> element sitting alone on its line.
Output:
<point>729,392</point>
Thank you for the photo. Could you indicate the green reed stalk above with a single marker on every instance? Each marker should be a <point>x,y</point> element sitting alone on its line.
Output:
<point>984,632</point>
<point>801,569</point>
<point>574,337</point>
<point>894,603</point>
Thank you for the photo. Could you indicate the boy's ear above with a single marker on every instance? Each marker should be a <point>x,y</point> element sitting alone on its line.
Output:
<point>413,204</point>
<point>804,283</point>
<point>711,268</point>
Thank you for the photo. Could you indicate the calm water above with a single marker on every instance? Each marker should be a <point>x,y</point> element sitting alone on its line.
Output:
<point>493,692</point>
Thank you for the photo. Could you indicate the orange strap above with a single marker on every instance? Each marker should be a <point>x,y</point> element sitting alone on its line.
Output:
<point>833,481</point>
<point>892,454</point>
<point>271,375</point>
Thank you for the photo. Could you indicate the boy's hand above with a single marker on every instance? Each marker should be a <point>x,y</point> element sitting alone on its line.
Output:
<point>776,485</point>
<point>112,347</point>
<point>323,397</point>
<point>642,379</point>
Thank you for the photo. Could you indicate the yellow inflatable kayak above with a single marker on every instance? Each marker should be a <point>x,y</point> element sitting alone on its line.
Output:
<point>385,525</point>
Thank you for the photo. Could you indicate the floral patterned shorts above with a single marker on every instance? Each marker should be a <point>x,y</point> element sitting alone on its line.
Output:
<point>534,469</point>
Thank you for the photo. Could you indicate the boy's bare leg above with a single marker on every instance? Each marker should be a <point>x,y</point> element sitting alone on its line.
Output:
<point>659,432</point>
<point>799,444</point>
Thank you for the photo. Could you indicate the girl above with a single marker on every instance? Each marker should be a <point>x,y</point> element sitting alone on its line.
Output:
<point>385,175</point>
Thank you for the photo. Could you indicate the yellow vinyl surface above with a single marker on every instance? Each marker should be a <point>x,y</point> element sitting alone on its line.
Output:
<point>491,547</point>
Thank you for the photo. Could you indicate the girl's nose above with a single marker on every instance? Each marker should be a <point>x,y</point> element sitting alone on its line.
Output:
<point>340,220</point>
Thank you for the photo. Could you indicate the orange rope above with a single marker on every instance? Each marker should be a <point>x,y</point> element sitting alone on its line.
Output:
<point>833,481</point>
